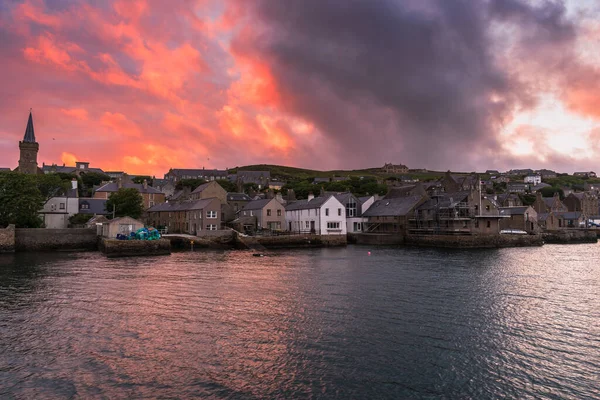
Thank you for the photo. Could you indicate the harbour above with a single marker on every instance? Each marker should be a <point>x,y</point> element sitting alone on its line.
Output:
<point>342,322</point>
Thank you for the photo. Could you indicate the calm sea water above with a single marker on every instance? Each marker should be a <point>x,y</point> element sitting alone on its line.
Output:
<point>323,323</point>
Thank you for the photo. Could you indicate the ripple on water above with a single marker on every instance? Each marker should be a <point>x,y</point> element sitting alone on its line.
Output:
<point>325,323</point>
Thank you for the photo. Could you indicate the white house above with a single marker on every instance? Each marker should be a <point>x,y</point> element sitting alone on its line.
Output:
<point>321,215</point>
<point>535,179</point>
<point>57,210</point>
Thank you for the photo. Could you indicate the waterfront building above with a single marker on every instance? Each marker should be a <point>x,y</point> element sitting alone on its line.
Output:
<point>190,216</point>
<point>262,214</point>
<point>320,215</point>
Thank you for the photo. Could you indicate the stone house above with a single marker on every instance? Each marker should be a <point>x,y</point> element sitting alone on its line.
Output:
<point>561,220</point>
<point>268,213</point>
<point>522,218</point>
<point>547,204</point>
<point>517,187</point>
<point>588,174</point>
<point>237,201</point>
<point>209,190</point>
<point>585,202</point>
<point>391,216</point>
<point>150,195</point>
<point>177,174</point>
<point>190,216</point>
<point>390,168</point>
<point>259,178</point>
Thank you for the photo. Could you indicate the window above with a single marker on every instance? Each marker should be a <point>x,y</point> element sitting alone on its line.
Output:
<point>151,203</point>
<point>351,207</point>
<point>339,212</point>
<point>279,213</point>
<point>333,225</point>
<point>252,213</point>
<point>62,206</point>
<point>268,212</point>
<point>211,227</point>
<point>211,215</point>
<point>489,224</point>
<point>487,208</point>
<point>307,224</point>
<point>85,206</point>
<point>327,211</point>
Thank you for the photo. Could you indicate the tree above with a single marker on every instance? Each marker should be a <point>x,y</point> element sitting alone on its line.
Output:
<point>191,183</point>
<point>549,192</point>
<point>79,219</point>
<point>20,200</point>
<point>527,199</point>
<point>140,179</point>
<point>51,185</point>
<point>126,202</point>
<point>227,185</point>
<point>91,179</point>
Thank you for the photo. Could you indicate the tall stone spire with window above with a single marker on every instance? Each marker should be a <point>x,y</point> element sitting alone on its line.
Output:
<point>29,149</point>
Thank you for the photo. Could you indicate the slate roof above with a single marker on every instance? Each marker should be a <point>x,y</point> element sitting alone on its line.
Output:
<point>29,134</point>
<point>200,188</point>
<point>364,199</point>
<point>5,170</point>
<point>317,202</point>
<point>114,187</point>
<point>232,196</point>
<point>256,204</point>
<point>320,180</point>
<point>445,200</point>
<point>569,214</point>
<point>251,175</point>
<point>393,207</point>
<point>68,169</point>
<point>513,210</point>
<point>95,206</point>
<point>199,172</point>
<point>181,206</point>
<point>548,200</point>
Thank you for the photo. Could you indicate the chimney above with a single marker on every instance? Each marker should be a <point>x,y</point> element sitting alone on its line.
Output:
<point>145,184</point>
<point>119,183</point>
<point>270,194</point>
<point>310,196</point>
<point>74,183</point>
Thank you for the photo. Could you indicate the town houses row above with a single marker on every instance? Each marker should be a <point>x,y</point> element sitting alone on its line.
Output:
<point>455,203</point>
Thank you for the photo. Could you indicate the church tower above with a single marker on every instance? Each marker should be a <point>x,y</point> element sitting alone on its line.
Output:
<point>29,150</point>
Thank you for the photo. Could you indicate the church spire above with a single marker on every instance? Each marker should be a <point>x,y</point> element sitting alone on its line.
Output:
<point>29,134</point>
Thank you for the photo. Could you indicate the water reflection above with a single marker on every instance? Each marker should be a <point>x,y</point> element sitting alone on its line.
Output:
<point>326,323</point>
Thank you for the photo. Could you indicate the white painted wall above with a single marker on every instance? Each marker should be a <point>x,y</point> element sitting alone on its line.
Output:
<point>365,206</point>
<point>57,210</point>
<point>337,214</point>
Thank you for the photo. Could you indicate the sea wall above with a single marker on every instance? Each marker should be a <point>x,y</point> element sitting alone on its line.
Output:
<point>287,241</point>
<point>41,239</point>
<point>474,241</point>
<point>568,236</point>
<point>375,239</point>
<point>134,248</point>
<point>7,239</point>
<point>206,239</point>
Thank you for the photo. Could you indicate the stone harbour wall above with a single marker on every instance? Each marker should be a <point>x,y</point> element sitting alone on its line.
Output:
<point>568,236</point>
<point>375,239</point>
<point>474,241</point>
<point>134,248</point>
<point>287,241</point>
<point>42,239</point>
<point>7,239</point>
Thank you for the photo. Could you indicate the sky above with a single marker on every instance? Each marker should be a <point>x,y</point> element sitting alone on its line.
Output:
<point>147,85</point>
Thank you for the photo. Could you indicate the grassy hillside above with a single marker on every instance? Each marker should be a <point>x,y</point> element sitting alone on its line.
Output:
<point>292,173</point>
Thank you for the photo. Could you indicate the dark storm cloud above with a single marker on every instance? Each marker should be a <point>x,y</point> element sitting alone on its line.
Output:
<point>414,82</point>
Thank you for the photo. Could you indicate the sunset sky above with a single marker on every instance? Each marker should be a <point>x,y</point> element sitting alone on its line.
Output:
<point>148,85</point>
